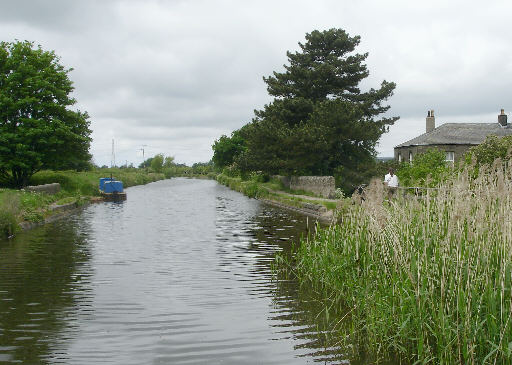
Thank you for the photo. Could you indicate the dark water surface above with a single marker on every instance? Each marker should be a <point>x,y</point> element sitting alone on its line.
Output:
<point>180,273</point>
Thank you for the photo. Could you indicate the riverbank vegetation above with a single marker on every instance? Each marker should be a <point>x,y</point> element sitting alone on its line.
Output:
<point>76,188</point>
<point>423,279</point>
<point>262,187</point>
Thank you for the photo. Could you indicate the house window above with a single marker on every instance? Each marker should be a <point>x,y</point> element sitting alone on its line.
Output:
<point>399,156</point>
<point>450,157</point>
<point>410,156</point>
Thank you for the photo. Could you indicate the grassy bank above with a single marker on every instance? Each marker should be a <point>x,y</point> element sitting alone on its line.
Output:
<point>256,188</point>
<point>86,183</point>
<point>77,187</point>
<point>428,280</point>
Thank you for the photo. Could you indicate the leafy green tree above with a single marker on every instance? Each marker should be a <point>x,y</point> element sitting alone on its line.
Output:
<point>226,149</point>
<point>146,163</point>
<point>37,128</point>
<point>157,163</point>
<point>427,169</point>
<point>168,161</point>
<point>492,148</point>
<point>319,122</point>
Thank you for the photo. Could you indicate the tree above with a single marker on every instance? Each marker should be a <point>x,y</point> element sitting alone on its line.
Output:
<point>146,163</point>
<point>492,148</point>
<point>427,169</point>
<point>157,163</point>
<point>324,69</point>
<point>319,121</point>
<point>37,128</point>
<point>168,161</point>
<point>226,149</point>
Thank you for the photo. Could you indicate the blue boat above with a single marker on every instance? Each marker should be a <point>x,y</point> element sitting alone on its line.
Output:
<point>111,189</point>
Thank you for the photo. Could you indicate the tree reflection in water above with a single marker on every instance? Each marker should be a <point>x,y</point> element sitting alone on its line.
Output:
<point>44,273</point>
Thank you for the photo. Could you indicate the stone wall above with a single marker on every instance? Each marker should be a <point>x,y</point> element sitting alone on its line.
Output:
<point>323,186</point>
<point>46,188</point>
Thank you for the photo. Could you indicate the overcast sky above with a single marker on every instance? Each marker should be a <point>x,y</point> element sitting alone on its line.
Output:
<point>174,75</point>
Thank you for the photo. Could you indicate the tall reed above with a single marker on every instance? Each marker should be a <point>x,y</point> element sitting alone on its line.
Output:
<point>10,208</point>
<point>425,279</point>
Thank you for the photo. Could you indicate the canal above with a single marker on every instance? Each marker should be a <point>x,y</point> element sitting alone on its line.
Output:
<point>180,273</point>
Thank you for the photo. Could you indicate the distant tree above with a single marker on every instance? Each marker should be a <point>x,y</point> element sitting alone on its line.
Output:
<point>202,168</point>
<point>226,149</point>
<point>146,163</point>
<point>37,128</point>
<point>319,121</point>
<point>157,162</point>
<point>168,161</point>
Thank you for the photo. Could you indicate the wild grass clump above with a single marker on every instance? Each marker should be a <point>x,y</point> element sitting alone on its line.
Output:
<point>251,188</point>
<point>8,214</point>
<point>427,280</point>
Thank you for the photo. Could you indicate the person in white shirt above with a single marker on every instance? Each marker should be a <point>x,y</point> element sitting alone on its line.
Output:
<point>391,180</point>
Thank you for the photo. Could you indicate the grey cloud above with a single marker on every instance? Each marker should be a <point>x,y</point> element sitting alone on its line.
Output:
<point>178,74</point>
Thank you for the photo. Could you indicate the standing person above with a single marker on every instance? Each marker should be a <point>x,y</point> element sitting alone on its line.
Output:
<point>391,181</point>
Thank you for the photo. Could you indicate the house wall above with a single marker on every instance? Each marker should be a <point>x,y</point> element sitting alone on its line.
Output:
<point>458,149</point>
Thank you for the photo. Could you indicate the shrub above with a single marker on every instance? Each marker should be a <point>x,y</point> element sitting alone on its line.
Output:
<point>491,149</point>
<point>260,177</point>
<point>427,169</point>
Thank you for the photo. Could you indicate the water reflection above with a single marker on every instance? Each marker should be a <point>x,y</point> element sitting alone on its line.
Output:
<point>44,274</point>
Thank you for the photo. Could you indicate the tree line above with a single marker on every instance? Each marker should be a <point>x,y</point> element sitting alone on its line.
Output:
<point>319,121</point>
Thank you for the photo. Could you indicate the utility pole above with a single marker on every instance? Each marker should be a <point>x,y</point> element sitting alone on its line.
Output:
<point>142,149</point>
<point>113,157</point>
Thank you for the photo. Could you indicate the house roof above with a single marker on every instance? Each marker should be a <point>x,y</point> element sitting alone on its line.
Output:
<point>459,133</point>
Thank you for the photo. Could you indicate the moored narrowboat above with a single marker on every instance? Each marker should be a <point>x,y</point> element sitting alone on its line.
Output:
<point>111,189</point>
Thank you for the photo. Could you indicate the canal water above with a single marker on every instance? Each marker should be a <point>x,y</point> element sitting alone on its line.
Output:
<point>180,273</point>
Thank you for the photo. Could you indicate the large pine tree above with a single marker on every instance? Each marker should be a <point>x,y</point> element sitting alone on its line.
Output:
<point>319,122</point>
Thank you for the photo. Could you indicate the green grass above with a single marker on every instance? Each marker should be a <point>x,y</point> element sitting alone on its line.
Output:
<point>66,200</point>
<point>250,188</point>
<point>429,280</point>
<point>10,207</point>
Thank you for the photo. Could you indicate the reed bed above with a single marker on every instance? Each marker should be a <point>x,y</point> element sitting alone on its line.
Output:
<point>425,280</point>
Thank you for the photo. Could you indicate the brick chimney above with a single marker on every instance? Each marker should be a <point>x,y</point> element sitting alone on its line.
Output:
<point>431,121</point>
<point>502,118</point>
